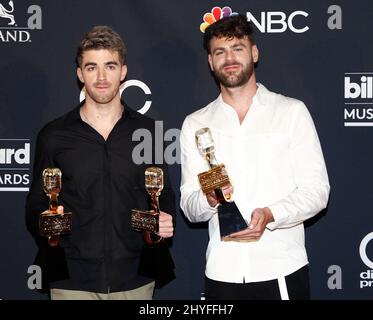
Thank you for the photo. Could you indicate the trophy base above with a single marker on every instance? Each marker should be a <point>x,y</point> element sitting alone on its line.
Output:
<point>228,238</point>
<point>55,224</point>
<point>230,220</point>
<point>145,220</point>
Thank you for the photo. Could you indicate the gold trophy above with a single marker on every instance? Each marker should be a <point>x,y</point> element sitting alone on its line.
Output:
<point>230,218</point>
<point>148,220</point>
<point>51,223</point>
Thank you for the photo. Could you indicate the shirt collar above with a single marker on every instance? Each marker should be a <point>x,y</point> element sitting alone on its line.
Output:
<point>258,99</point>
<point>74,115</point>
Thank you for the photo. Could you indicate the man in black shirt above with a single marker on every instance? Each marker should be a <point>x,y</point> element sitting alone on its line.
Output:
<point>92,145</point>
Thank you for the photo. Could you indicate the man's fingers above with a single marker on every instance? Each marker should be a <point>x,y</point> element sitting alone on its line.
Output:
<point>253,236</point>
<point>212,199</point>
<point>244,232</point>
<point>256,217</point>
<point>165,218</point>
<point>166,228</point>
<point>227,189</point>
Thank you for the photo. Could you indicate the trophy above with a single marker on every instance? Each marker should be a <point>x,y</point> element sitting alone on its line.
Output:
<point>51,223</point>
<point>148,220</point>
<point>230,218</point>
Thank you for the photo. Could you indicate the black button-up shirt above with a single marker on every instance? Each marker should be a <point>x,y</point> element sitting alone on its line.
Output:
<point>100,185</point>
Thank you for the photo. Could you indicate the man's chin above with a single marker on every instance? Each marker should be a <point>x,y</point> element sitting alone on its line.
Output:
<point>233,83</point>
<point>102,100</point>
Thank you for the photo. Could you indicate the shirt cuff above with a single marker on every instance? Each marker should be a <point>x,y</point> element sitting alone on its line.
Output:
<point>279,216</point>
<point>205,206</point>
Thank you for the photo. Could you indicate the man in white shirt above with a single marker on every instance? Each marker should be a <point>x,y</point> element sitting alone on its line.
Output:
<point>272,154</point>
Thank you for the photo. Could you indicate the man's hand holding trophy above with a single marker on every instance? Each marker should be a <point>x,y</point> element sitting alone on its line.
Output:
<point>216,186</point>
<point>53,223</point>
<point>148,220</point>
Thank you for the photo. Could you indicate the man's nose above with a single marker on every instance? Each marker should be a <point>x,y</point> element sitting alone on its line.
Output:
<point>101,74</point>
<point>229,55</point>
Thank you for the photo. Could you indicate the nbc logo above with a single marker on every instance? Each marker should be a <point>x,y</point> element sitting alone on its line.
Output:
<point>269,22</point>
<point>216,14</point>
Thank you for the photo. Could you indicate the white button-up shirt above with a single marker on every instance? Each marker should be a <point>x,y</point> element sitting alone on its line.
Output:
<point>274,159</point>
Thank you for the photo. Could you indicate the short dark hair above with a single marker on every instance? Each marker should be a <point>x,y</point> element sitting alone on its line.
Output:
<point>101,37</point>
<point>235,26</point>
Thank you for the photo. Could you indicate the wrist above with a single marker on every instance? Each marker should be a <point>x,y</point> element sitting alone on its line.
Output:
<point>211,201</point>
<point>268,215</point>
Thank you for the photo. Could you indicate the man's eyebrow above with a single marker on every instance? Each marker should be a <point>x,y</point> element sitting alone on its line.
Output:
<point>239,44</point>
<point>111,62</point>
<point>89,64</point>
<point>106,63</point>
<point>218,48</point>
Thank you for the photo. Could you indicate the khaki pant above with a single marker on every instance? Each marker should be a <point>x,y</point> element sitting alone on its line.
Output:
<point>142,293</point>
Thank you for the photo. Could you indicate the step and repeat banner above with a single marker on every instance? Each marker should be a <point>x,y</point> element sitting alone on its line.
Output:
<point>317,51</point>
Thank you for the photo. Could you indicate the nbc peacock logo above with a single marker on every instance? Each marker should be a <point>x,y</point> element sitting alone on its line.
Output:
<point>216,14</point>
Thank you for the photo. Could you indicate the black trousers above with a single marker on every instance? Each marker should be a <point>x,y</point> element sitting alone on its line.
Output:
<point>295,286</point>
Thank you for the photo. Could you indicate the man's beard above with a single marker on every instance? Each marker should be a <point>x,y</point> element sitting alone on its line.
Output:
<point>102,98</point>
<point>232,79</point>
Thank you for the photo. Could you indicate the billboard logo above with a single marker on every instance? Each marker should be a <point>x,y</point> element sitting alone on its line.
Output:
<point>358,95</point>
<point>12,32</point>
<point>14,164</point>
<point>19,156</point>
<point>362,89</point>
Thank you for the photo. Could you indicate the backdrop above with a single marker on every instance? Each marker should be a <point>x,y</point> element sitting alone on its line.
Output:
<point>317,51</point>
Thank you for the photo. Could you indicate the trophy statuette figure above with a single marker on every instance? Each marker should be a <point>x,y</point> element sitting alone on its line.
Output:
<point>230,218</point>
<point>148,220</point>
<point>51,223</point>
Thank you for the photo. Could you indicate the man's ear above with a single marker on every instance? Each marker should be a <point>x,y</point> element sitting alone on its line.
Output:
<point>255,53</point>
<point>80,74</point>
<point>210,62</point>
<point>123,72</point>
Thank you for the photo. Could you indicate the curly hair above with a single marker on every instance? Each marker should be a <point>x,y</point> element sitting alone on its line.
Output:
<point>235,26</point>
